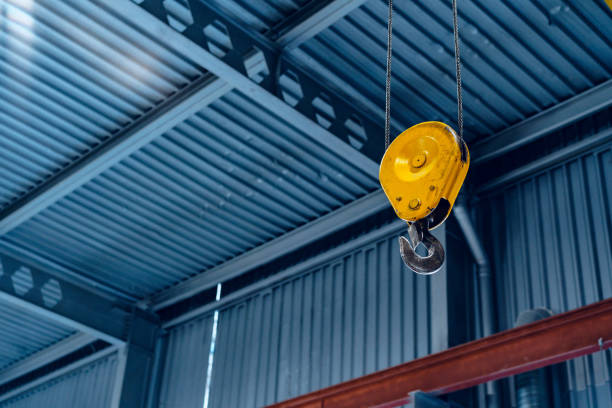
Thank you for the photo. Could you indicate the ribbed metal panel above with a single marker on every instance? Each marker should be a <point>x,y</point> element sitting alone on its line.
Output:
<point>260,15</point>
<point>72,75</point>
<point>231,177</point>
<point>519,57</point>
<point>550,238</point>
<point>22,334</point>
<point>361,312</point>
<point>186,362</point>
<point>89,386</point>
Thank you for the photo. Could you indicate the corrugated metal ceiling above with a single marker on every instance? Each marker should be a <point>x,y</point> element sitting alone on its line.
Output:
<point>230,178</point>
<point>71,76</point>
<point>519,58</point>
<point>260,15</point>
<point>236,175</point>
<point>22,334</point>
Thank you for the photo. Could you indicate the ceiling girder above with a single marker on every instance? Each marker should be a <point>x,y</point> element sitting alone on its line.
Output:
<point>52,298</point>
<point>545,122</point>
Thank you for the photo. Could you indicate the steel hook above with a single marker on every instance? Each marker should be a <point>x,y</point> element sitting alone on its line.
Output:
<point>418,232</point>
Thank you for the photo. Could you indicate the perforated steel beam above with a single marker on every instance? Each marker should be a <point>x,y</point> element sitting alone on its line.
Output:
<point>251,54</point>
<point>319,111</point>
<point>43,294</point>
<point>555,118</point>
<point>545,342</point>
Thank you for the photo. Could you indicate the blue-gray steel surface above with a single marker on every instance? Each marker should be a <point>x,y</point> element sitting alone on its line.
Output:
<point>196,97</point>
<point>258,15</point>
<point>513,64</point>
<point>71,76</point>
<point>185,364</point>
<point>22,334</point>
<point>550,240</point>
<point>88,386</point>
<point>229,178</point>
<point>47,355</point>
<point>362,312</point>
<point>328,224</point>
<point>48,297</point>
<point>519,58</point>
<point>555,118</point>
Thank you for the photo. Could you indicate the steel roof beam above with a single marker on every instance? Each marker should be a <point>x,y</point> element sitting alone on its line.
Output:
<point>186,103</point>
<point>162,118</point>
<point>548,121</point>
<point>63,302</point>
<point>310,21</point>
<point>596,141</point>
<point>285,89</point>
<point>45,356</point>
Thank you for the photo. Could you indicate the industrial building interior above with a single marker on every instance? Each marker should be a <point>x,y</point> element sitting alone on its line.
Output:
<point>191,211</point>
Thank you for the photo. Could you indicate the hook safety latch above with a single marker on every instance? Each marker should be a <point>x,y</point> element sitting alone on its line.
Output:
<point>418,232</point>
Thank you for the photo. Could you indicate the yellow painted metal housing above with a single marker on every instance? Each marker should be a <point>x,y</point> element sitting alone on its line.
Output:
<point>422,166</point>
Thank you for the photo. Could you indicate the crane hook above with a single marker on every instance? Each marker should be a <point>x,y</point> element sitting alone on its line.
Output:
<point>418,232</point>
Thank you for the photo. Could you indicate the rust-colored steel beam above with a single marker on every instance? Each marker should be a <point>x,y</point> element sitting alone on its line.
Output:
<point>545,342</point>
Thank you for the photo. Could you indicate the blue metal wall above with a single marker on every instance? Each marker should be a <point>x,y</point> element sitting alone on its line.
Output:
<point>550,239</point>
<point>186,360</point>
<point>357,313</point>
<point>345,313</point>
<point>88,386</point>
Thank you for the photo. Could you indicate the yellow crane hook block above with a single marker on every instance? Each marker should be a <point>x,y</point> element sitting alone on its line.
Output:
<point>421,173</point>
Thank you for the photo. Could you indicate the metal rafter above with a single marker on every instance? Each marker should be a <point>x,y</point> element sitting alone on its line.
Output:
<point>41,293</point>
<point>137,135</point>
<point>309,21</point>
<point>318,110</point>
<point>131,331</point>
<point>535,127</point>
<point>45,356</point>
<point>206,90</point>
<point>545,342</point>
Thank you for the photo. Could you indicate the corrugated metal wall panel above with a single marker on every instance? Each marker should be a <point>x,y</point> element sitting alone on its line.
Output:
<point>230,178</point>
<point>550,237</point>
<point>359,313</point>
<point>72,75</point>
<point>22,334</point>
<point>186,362</point>
<point>88,386</point>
